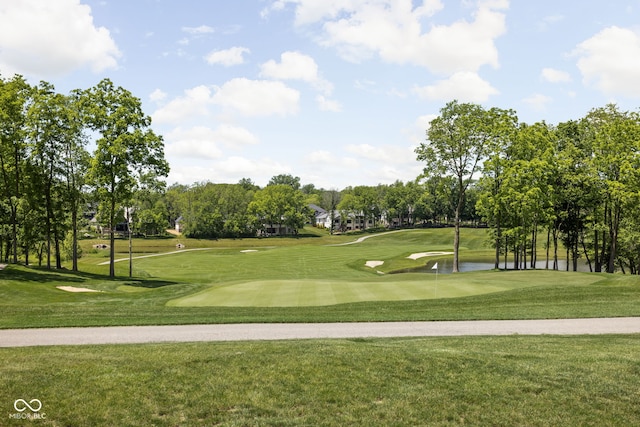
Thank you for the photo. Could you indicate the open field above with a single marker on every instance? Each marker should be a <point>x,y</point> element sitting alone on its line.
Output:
<point>523,381</point>
<point>314,282</point>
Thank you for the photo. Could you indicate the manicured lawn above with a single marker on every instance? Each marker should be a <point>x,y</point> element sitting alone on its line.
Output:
<point>301,280</point>
<point>514,380</point>
<point>507,381</point>
<point>299,293</point>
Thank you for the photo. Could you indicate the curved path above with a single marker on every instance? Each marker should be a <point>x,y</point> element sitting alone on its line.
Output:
<point>284,331</point>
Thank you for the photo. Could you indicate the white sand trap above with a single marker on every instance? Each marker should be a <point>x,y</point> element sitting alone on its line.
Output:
<point>425,254</point>
<point>74,289</point>
<point>373,264</point>
<point>249,250</point>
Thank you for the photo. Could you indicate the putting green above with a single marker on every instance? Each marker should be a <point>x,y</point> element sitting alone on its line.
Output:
<point>308,292</point>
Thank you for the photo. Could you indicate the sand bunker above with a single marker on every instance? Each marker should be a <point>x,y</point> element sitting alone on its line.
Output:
<point>425,254</point>
<point>249,250</point>
<point>373,264</point>
<point>74,289</point>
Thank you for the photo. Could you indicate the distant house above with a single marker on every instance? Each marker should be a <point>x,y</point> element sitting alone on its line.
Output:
<point>179,227</point>
<point>342,220</point>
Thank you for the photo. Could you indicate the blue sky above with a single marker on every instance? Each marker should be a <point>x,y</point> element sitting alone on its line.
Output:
<point>337,92</point>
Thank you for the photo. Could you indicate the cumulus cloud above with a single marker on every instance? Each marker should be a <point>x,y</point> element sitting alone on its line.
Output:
<point>555,76</point>
<point>51,38</point>
<point>326,158</point>
<point>610,61</point>
<point>392,30</point>
<point>157,96</point>
<point>240,95</point>
<point>202,142</point>
<point>227,57</point>
<point>198,142</point>
<point>463,86</point>
<point>194,102</point>
<point>384,153</point>
<point>257,97</point>
<point>296,66</point>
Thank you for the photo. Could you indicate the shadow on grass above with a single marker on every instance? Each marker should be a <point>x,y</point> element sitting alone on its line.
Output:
<point>38,275</point>
<point>23,273</point>
<point>149,283</point>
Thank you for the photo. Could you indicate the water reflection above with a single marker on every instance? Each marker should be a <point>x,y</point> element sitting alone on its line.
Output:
<point>445,266</point>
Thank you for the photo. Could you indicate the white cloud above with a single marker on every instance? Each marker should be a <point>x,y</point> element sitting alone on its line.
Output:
<point>50,38</point>
<point>195,102</point>
<point>325,104</point>
<point>326,158</point>
<point>257,97</point>
<point>227,57</point>
<point>555,76</point>
<point>610,61</point>
<point>198,142</point>
<point>157,96</point>
<point>202,29</point>
<point>296,66</point>
<point>537,101</point>
<point>383,154</point>
<point>463,86</point>
<point>392,30</point>
<point>202,142</point>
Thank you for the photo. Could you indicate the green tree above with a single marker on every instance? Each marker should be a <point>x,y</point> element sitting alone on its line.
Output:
<point>126,149</point>
<point>278,205</point>
<point>285,179</point>
<point>14,97</point>
<point>457,142</point>
<point>615,136</point>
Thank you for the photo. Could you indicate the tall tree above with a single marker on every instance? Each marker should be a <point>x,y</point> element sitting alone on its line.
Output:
<point>14,98</point>
<point>49,131</point>
<point>457,141</point>
<point>616,155</point>
<point>126,149</point>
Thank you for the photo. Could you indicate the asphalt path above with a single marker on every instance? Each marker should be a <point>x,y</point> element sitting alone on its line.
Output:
<point>291,331</point>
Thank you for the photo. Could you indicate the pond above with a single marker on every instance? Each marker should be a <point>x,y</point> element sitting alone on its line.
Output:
<point>445,266</point>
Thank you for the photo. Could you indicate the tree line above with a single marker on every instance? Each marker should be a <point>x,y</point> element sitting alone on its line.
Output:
<point>48,176</point>
<point>208,210</point>
<point>576,183</point>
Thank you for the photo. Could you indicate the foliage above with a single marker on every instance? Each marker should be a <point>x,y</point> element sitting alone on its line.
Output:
<point>127,150</point>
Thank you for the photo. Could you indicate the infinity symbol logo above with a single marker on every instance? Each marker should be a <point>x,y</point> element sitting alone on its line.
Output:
<point>37,405</point>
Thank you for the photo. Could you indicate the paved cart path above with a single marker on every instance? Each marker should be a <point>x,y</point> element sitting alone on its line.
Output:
<point>286,331</point>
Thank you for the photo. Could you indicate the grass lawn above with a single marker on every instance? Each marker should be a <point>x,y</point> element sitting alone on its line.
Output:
<point>510,381</point>
<point>514,380</point>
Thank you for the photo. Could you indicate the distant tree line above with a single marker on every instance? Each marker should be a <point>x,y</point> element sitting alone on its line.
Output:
<point>208,210</point>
